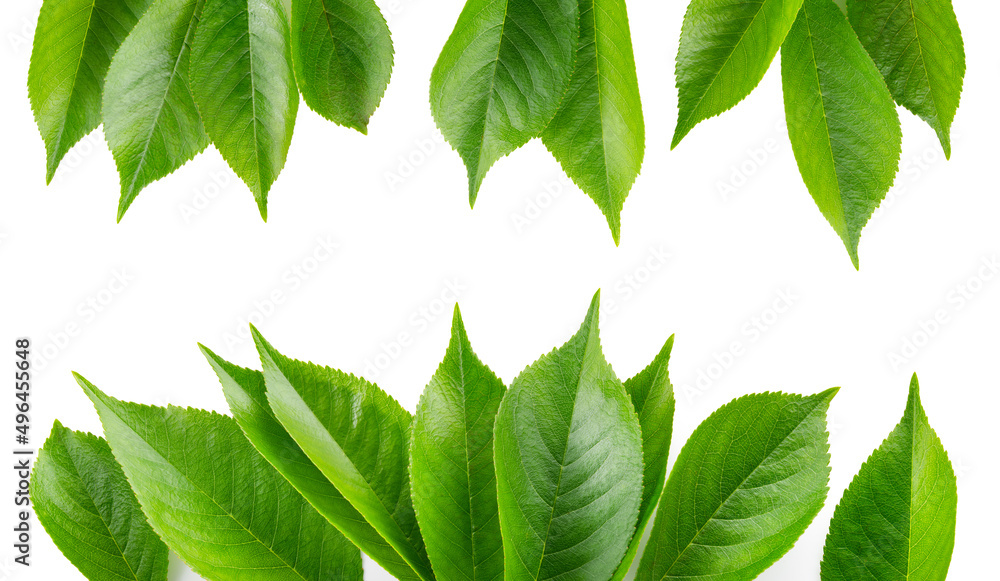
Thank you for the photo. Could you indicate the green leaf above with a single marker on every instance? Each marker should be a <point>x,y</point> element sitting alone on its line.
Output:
<point>896,521</point>
<point>598,134</point>
<point>359,438</point>
<point>653,399</point>
<point>918,47</point>
<point>150,119</point>
<point>841,119</point>
<point>451,465</point>
<point>247,396</point>
<point>569,465</point>
<point>242,81</point>
<point>501,76</point>
<point>745,486</point>
<point>215,501</point>
<point>83,500</point>
<point>726,47</point>
<point>74,43</point>
<point>343,57</point>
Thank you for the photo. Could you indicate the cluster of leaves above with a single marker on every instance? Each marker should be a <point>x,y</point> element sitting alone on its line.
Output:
<point>561,70</point>
<point>167,77</point>
<point>555,476</point>
<point>841,77</point>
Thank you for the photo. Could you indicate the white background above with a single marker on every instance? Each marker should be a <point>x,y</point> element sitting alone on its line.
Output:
<point>199,260</point>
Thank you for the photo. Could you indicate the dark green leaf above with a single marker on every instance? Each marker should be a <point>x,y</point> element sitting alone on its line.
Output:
<point>83,500</point>
<point>745,486</point>
<point>653,398</point>
<point>451,465</point>
<point>896,521</point>
<point>501,76</point>
<point>918,47</point>
<point>242,81</point>
<point>343,57</point>
<point>598,134</point>
<point>150,119</point>
<point>726,47</point>
<point>357,436</point>
<point>569,465</point>
<point>841,119</point>
<point>74,43</point>
<point>215,501</point>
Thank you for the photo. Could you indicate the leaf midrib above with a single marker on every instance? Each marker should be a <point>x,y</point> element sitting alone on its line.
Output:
<point>76,73</point>
<point>562,459</point>
<point>690,543</point>
<point>170,81</point>
<point>489,98</point>
<point>826,122</point>
<point>97,511</point>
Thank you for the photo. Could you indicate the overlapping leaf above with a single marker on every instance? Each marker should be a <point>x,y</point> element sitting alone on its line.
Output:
<point>917,45</point>
<point>343,57</point>
<point>83,500</point>
<point>150,119</point>
<point>242,80</point>
<point>841,119</point>
<point>568,455</point>
<point>357,436</point>
<point>745,486</point>
<point>217,502</point>
<point>246,394</point>
<point>726,47</point>
<point>501,76</point>
<point>653,398</point>
<point>74,43</point>
<point>598,134</point>
<point>451,465</point>
<point>897,518</point>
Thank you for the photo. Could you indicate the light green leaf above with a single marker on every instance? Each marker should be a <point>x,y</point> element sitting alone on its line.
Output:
<point>726,47</point>
<point>841,119</point>
<point>74,43</point>
<point>83,500</point>
<point>150,119</point>
<point>501,76</point>
<point>598,134</point>
<point>343,57</point>
<point>359,438</point>
<point>653,398</point>
<point>745,486</point>
<point>569,465</point>
<point>215,501</point>
<point>451,465</point>
<point>917,45</point>
<point>247,396</point>
<point>242,80</point>
<point>896,521</point>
